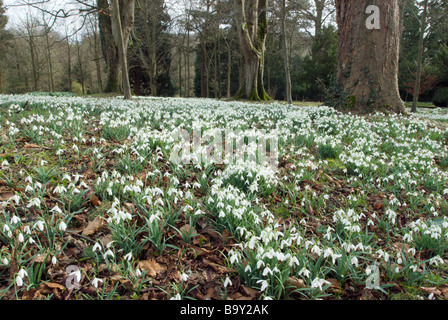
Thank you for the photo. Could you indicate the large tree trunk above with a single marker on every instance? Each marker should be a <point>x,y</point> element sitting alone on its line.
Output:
<point>109,48</point>
<point>368,58</point>
<point>288,95</point>
<point>252,25</point>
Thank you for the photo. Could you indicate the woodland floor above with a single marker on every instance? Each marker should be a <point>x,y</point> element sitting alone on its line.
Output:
<point>86,186</point>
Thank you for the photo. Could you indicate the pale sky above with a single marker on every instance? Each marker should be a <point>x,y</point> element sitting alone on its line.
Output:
<point>17,14</point>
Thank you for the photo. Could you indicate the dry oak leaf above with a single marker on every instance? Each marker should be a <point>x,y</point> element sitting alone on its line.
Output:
<point>93,226</point>
<point>296,283</point>
<point>251,292</point>
<point>53,285</point>
<point>152,267</point>
<point>6,196</point>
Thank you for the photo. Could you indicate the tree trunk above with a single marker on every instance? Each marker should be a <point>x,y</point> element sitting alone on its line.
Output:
<point>50,64</point>
<point>97,59</point>
<point>288,95</point>
<point>108,47</point>
<point>121,35</point>
<point>420,57</point>
<point>69,61</point>
<point>368,57</point>
<point>229,70</point>
<point>252,25</point>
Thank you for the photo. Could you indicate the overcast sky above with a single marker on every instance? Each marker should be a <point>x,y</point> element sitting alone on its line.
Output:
<point>17,14</point>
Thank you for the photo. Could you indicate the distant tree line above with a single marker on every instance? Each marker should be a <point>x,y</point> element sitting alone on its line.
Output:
<point>258,50</point>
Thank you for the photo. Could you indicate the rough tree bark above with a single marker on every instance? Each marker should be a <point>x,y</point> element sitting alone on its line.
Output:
<point>121,34</point>
<point>368,57</point>
<point>108,47</point>
<point>110,38</point>
<point>252,25</point>
<point>288,95</point>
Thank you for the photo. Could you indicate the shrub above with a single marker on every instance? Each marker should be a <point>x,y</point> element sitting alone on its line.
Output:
<point>440,98</point>
<point>77,88</point>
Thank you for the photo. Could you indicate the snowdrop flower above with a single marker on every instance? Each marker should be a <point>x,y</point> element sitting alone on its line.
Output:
<point>176,297</point>
<point>21,239</point>
<point>56,209</point>
<point>59,189</point>
<point>15,219</point>
<point>54,260</point>
<point>128,257</point>
<point>95,282</point>
<point>108,253</point>
<point>354,261</point>
<point>138,272</point>
<point>40,225</point>
<point>264,284</point>
<point>96,247</point>
<point>227,282</point>
<point>266,271</point>
<point>318,283</point>
<point>34,202</point>
<point>305,273</point>
<point>435,260</point>
<point>22,273</point>
<point>7,230</point>
<point>19,281</point>
<point>184,277</point>
<point>62,226</point>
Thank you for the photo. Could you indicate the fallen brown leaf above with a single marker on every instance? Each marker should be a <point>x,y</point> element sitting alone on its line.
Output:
<point>296,283</point>
<point>53,285</point>
<point>152,267</point>
<point>250,292</point>
<point>6,196</point>
<point>93,226</point>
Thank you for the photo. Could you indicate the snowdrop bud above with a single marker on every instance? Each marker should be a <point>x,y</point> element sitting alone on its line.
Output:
<point>54,260</point>
<point>22,273</point>
<point>19,281</point>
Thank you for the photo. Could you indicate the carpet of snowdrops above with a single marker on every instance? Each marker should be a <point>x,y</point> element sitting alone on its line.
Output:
<point>91,207</point>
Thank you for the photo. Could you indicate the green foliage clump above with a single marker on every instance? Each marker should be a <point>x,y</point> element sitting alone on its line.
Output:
<point>77,88</point>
